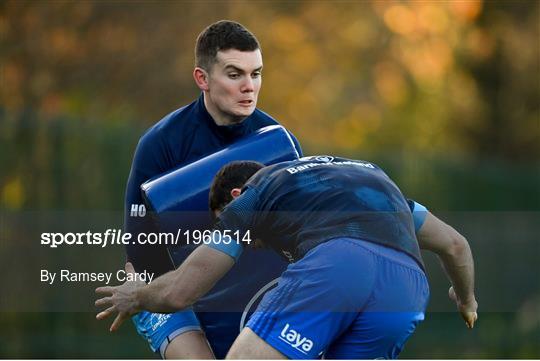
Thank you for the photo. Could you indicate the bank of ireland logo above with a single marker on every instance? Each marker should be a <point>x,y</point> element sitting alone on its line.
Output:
<point>325,158</point>
<point>320,158</point>
<point>295,339</point>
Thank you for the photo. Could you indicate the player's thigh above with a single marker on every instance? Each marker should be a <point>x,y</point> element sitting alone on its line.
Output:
<point>250,346</point>
<point>189,345</point>
<point>375,335</point>
<point>395,308</point>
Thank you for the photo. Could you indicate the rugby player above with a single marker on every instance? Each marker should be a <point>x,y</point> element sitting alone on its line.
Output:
<point>355,287</point>
<point>229,73</point>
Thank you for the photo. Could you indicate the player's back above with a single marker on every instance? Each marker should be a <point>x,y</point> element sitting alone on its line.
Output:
<point>309,201</point>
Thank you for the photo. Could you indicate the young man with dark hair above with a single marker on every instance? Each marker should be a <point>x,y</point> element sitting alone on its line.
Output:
<point>228,72</point>
<point>356,286</point>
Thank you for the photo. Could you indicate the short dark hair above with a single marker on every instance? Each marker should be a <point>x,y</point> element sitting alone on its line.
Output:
<point>232,175</point>
<point>222,35</point>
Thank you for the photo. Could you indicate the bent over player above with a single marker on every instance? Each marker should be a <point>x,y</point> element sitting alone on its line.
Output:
<point>355,287</point>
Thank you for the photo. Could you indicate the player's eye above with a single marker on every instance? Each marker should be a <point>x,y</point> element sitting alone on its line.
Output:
<point>256,74</point>
<point>233,75</point>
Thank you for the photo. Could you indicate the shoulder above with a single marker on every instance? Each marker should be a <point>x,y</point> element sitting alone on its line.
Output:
<point>155,143</point>
<point>177,121</point>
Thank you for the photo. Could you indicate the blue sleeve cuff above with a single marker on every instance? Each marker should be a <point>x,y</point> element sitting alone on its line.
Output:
<point>419,214</point>
<point>227,245</point>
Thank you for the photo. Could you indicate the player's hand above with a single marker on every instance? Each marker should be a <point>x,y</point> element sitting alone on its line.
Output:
<point>467,309</point>
<point>120,299</point>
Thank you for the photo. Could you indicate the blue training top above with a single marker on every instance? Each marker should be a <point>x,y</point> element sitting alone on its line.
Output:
<point>180,138</point>
<point>294,206</point>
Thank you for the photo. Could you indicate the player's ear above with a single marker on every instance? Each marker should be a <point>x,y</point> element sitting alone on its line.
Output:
<point>201,78</point>
<point>235,192</point>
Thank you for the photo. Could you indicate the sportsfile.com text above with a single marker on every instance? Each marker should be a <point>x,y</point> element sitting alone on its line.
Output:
<point>119,237</point>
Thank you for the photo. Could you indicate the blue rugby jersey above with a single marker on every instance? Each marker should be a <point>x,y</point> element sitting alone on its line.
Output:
<point>294,206</point>
<point>180,138</point>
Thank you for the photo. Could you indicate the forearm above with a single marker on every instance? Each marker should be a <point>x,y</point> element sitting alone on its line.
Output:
<point>160,294</point>
<point>453,251</point>
<point>455,255</point>
<point>459,267</point>
<point>181,288</point>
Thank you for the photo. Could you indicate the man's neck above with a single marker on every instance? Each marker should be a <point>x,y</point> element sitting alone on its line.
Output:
<point>218,117</point>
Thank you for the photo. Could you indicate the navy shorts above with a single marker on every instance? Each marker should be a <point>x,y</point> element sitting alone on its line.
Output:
<point>346,299</point>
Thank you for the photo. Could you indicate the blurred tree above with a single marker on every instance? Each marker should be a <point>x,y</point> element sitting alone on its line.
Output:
<point>445,94</point>
<point>435,77</point>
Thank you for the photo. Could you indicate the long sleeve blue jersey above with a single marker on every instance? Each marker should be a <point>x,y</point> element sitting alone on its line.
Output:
<point>180,138</point>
